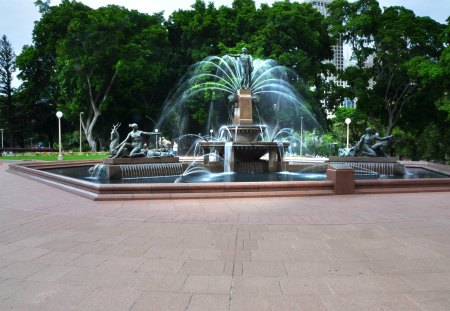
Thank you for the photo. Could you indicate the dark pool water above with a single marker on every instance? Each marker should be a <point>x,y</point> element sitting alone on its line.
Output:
<point>82,173</point>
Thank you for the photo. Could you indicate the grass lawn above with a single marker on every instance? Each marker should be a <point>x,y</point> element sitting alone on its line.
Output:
<point>53,156</point>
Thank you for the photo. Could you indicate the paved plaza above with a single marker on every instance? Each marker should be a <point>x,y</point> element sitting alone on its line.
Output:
<point>59,251</point>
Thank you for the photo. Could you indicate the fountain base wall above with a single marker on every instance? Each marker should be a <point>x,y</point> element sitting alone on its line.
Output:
<point>36,171</point>
<point>367,165</point>
<point>118,168</point>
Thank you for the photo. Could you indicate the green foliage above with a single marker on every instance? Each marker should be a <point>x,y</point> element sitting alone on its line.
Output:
<point>359,122</point>
<point>432,144</point>
<point>293,34</point>
<point>101,44</point>
<point>391,48</point>
<point>53,156</point>
<point>318,144</point>
<point>9,110</point>
<point>120,65</point>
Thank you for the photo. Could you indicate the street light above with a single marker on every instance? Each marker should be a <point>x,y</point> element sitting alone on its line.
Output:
<point>2,136</point>
<point>156,139</point>
<point>211,133</point>
<point>81,121</point>
<point>347,121</point>
<point>301,136</point>
<point>59,115</point>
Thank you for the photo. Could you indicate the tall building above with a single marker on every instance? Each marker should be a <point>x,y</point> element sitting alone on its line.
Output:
<point>320,5</point>
<point>338,59</point>
<point>338,49</point>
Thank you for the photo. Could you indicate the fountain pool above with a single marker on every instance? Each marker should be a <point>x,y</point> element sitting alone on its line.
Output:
<point>417,179</point>
<point>245,158</point>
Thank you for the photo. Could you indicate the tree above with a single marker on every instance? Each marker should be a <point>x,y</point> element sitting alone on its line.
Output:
<point>292,34</point>
<point>358,124</point>
<point>384,43</point>
<point>37,65</point>
<point>118,65</point>
<point>110,63</point>
<point>7,68</point>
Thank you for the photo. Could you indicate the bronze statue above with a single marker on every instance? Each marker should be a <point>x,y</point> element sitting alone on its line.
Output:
<point>246,68</point>
<point>133,145</point>
<point>115,138</point>
<point>369,145</point>
<point>372,145</point>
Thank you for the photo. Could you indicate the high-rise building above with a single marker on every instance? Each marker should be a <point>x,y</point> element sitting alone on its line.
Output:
<point>320,5</point>
<point>338,59</point>
<point>338,49</point>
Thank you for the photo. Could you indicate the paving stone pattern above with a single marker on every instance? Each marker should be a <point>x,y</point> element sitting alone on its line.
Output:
<point>59,251</point>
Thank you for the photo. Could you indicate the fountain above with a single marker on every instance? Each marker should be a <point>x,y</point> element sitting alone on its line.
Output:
<point>258,103</point>
<point>255,98</point>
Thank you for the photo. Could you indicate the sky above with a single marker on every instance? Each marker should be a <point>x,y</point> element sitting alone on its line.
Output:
<point>17,17</point>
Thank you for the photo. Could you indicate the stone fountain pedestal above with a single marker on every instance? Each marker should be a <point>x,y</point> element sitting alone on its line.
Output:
<point>246,148</point>
<point>244,155</point>
<point>243,113</point>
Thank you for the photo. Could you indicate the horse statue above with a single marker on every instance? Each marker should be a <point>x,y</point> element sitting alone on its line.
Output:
<point>115,138</point>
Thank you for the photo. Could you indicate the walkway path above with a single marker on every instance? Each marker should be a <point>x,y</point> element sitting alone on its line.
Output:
<point>59,251</point>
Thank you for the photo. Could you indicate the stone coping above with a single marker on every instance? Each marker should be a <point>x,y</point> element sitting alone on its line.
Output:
<point>173,191</point>
<point>141,160</point>
<point>364,159</point>
<point>246,126</point>
<point>440,168</point>
<point>238,144</point>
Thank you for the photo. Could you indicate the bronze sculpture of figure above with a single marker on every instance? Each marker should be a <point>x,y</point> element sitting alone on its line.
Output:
<point>369,145</point>
<point>133,145</point>
<point>246,68</point>
<point>372,145</point>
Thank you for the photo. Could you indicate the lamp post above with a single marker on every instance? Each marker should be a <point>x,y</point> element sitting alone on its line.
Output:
<point>59,115</point>
<point>2,136</point>
<point>81,121</point>
<point>156,139</point>
<point>301,136</point>
<point>348,121</point>
<point>211,131</point>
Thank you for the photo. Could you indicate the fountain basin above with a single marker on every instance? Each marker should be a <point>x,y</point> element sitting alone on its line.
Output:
<point>37,171</point>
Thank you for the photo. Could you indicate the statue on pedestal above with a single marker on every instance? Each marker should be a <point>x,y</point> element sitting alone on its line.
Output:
<point>246,68</point>
<point>133,145</point>
<point>369,145</point>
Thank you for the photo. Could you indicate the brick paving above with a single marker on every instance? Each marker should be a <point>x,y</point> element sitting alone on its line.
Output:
<point>59,251</point>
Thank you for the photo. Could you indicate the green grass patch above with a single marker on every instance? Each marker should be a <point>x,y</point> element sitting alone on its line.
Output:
<point>53,156</point>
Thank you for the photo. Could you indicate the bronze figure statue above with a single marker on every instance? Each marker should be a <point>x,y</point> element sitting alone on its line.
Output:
<point>133,145</point>
<point>369,145</point>
<point>246,68</point>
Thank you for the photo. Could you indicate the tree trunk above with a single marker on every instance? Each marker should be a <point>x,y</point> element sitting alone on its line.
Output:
<point>91,141</point>
<point>88,127</point>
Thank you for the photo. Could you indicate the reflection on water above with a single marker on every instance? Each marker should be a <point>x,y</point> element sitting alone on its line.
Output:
<point>417,172</point>
<point>82,173</point>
